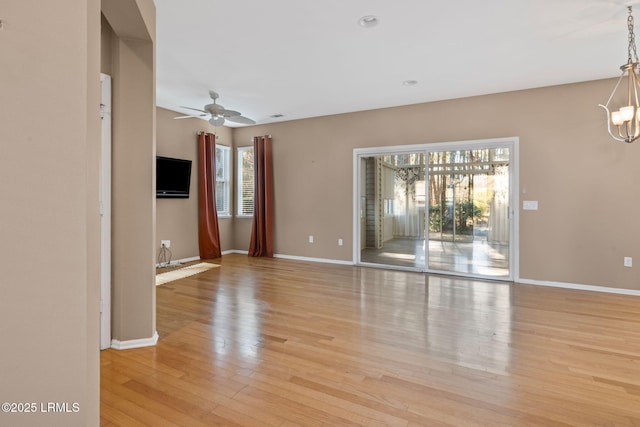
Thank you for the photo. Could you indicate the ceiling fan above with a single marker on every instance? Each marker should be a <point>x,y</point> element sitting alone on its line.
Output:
<point>218,113</point>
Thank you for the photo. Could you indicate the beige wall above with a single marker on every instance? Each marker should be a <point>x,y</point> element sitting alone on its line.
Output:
<point>106,41</point>
<point>49,218</point>
<point>585,183</point>
<point>133,167</point>
<point>177,219</point>
<point>93,245</point>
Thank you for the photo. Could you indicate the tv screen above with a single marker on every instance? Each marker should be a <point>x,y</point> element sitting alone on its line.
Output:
<point>173,177</point>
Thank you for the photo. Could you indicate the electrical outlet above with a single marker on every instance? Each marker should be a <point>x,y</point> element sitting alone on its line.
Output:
<point>310,238</point>
<point>339,242</point>
<point>165,243</point>
<point>628,261</point>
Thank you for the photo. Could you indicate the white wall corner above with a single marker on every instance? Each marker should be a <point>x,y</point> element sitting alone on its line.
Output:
<point>235,251</point>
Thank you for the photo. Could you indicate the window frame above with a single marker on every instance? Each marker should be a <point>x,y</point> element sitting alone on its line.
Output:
<point>240,181</point>
<point>226,179</point>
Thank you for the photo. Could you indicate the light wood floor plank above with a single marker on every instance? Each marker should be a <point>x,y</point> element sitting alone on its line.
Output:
<point>279,342</point>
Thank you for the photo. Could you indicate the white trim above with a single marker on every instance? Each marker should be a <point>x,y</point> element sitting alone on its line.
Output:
<point>143,342</point>
<point>295,257</point>
<point>355,226</point>
<point>322,260</point>
<point>235,251</point>
<point>105,211</point>
<point>514,206</point>
<point>435,146</point>
<point>579,287</point>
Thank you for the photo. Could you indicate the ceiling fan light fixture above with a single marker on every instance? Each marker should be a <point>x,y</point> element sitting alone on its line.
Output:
<point>216,121</point>
<point>623,123</point>
<point>219,114</point>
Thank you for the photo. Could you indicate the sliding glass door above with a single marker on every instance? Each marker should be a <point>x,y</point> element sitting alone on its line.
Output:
<point>393,209</point>
<point>469,212</point>
<point>443,208</point>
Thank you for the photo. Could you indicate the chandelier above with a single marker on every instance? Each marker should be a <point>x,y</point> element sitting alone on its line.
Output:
<point>624,123</point>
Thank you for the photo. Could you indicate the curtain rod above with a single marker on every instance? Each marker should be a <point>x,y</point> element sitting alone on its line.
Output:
<point>200,133</point>
<point>251,140</point>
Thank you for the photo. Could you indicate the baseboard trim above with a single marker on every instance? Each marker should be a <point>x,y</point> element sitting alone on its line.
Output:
<point>309,259</point>
<point>580,287</point>
<point>564,285</point>
<point>235,251</point>
<point>295,258</point>
<point>143,342</point>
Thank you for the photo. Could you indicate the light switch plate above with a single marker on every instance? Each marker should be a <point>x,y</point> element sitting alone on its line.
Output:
<point>530,205</point>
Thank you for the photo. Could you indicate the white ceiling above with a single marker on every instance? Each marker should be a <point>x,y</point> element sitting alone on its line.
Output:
<point>308,58</point>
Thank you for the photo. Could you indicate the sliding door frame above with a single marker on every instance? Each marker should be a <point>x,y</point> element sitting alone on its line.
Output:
<point>512,143</point>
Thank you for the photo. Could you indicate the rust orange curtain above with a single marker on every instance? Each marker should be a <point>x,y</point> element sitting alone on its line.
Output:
<point>208,231</point>
<point>262,232</point>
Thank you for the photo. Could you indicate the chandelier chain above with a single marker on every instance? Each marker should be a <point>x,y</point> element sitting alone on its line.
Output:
<point>623,121</point>
<point>633,54</point>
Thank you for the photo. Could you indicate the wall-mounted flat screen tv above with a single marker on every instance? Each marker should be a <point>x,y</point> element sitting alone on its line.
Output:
<point>173,177</point>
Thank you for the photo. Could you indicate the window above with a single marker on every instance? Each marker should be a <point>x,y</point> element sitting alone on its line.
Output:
<point>245,181</point>
<point>222,180</point>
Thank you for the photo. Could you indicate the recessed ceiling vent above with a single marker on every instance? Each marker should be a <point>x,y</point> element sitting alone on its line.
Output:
<point>368,21</point>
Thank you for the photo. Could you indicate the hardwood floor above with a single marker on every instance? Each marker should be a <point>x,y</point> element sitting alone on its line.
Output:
<point>279,342</point>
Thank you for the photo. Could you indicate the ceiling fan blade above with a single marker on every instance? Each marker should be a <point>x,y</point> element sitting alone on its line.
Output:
<point>194,109</point>
<point>229,113</point>
<point>190,117</point>
<point>216,121</point>
<point>219,113</point>
<point>219,110</point>
<point>241,119</point>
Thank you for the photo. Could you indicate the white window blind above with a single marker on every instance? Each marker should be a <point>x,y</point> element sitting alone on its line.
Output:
<point>222,179</point>
<point>245,181</point>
